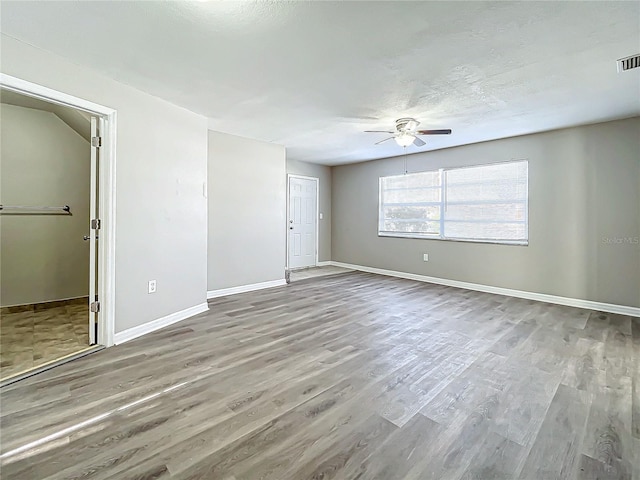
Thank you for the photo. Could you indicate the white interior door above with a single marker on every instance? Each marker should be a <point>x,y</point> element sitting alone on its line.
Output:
<point>302,221</point>
<point>93,231</point>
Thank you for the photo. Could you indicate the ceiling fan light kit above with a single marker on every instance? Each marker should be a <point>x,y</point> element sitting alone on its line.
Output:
<point>406,133</point>
<point>405,139</point>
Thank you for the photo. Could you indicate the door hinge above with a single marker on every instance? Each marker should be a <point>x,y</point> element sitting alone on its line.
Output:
<point>94,307</point>
<point>96,142</point>
<point>95,224</point>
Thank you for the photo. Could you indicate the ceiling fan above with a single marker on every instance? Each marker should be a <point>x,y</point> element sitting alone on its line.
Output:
<point>406,133</point>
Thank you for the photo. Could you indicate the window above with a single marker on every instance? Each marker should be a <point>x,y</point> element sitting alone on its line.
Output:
<point>411,204</point>
<point>482,203</point>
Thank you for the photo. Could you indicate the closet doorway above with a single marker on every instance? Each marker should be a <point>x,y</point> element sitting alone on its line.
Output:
<point>51,234</point>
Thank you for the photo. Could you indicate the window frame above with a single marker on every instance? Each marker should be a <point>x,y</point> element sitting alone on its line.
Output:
<point>440,236</point>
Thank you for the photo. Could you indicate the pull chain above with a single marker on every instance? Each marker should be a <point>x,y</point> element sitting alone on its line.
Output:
<point>405,160</point>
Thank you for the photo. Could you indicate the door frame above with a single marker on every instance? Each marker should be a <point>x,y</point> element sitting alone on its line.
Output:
<point>106,193</point>
<point>317,180</point>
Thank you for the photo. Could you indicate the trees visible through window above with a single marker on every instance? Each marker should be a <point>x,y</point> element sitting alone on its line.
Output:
<point>483,203</point>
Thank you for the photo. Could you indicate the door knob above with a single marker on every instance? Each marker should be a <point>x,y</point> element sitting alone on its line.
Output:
<point>87,237</point>
<point>290,228</point>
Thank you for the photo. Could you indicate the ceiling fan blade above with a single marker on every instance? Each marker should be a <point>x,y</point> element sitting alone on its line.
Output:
<point>378,131</point>
<point>446,131</point>
<point>418,142</point>
<point>382,141</point>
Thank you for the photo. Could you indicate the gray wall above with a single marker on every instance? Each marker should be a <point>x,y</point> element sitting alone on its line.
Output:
<point>323,173</point>
<point>584,216</point>
<point>161,220</point>
<point>247,201</point>
<point>42,162</point>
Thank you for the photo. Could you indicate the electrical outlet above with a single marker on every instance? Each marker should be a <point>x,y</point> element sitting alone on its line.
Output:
<point>152,286</point>
<point>425,257</point>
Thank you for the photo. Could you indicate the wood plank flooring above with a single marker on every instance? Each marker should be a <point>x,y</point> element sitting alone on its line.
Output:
<point>349,376</point>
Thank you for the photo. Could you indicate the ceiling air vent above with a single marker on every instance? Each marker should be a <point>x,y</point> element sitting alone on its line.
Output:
<point>627,63</point>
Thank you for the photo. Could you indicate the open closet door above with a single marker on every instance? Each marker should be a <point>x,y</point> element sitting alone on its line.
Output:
<point>94,226</point>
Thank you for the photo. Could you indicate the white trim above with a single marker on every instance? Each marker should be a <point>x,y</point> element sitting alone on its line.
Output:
<point>540,297</point>
<point>323,264</point>
<point>438,238</point>
<point>317,180</point>
<point>30,89</point>
<point>107,243</point>
<point>223,292</point>
<point>107,193</point>
<point>135,332</point>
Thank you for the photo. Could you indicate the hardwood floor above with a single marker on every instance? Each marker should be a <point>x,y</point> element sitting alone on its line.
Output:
<point>350,376</point>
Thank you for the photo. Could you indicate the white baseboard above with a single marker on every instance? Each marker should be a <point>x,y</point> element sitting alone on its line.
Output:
<point>135,332</point>
<point>541,297</point>
<point>323,264</point>
<point>223,292</point>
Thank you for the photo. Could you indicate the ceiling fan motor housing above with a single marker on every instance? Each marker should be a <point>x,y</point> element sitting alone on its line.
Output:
<point>406,124</point>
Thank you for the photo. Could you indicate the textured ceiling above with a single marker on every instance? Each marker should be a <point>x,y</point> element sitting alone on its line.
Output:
<point>313,75</point>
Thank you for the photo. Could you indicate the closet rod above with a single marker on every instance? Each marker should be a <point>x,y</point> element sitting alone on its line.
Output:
<point>25,208</point>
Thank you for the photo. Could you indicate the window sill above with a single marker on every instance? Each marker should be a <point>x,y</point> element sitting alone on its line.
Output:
<point>520,243</point>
